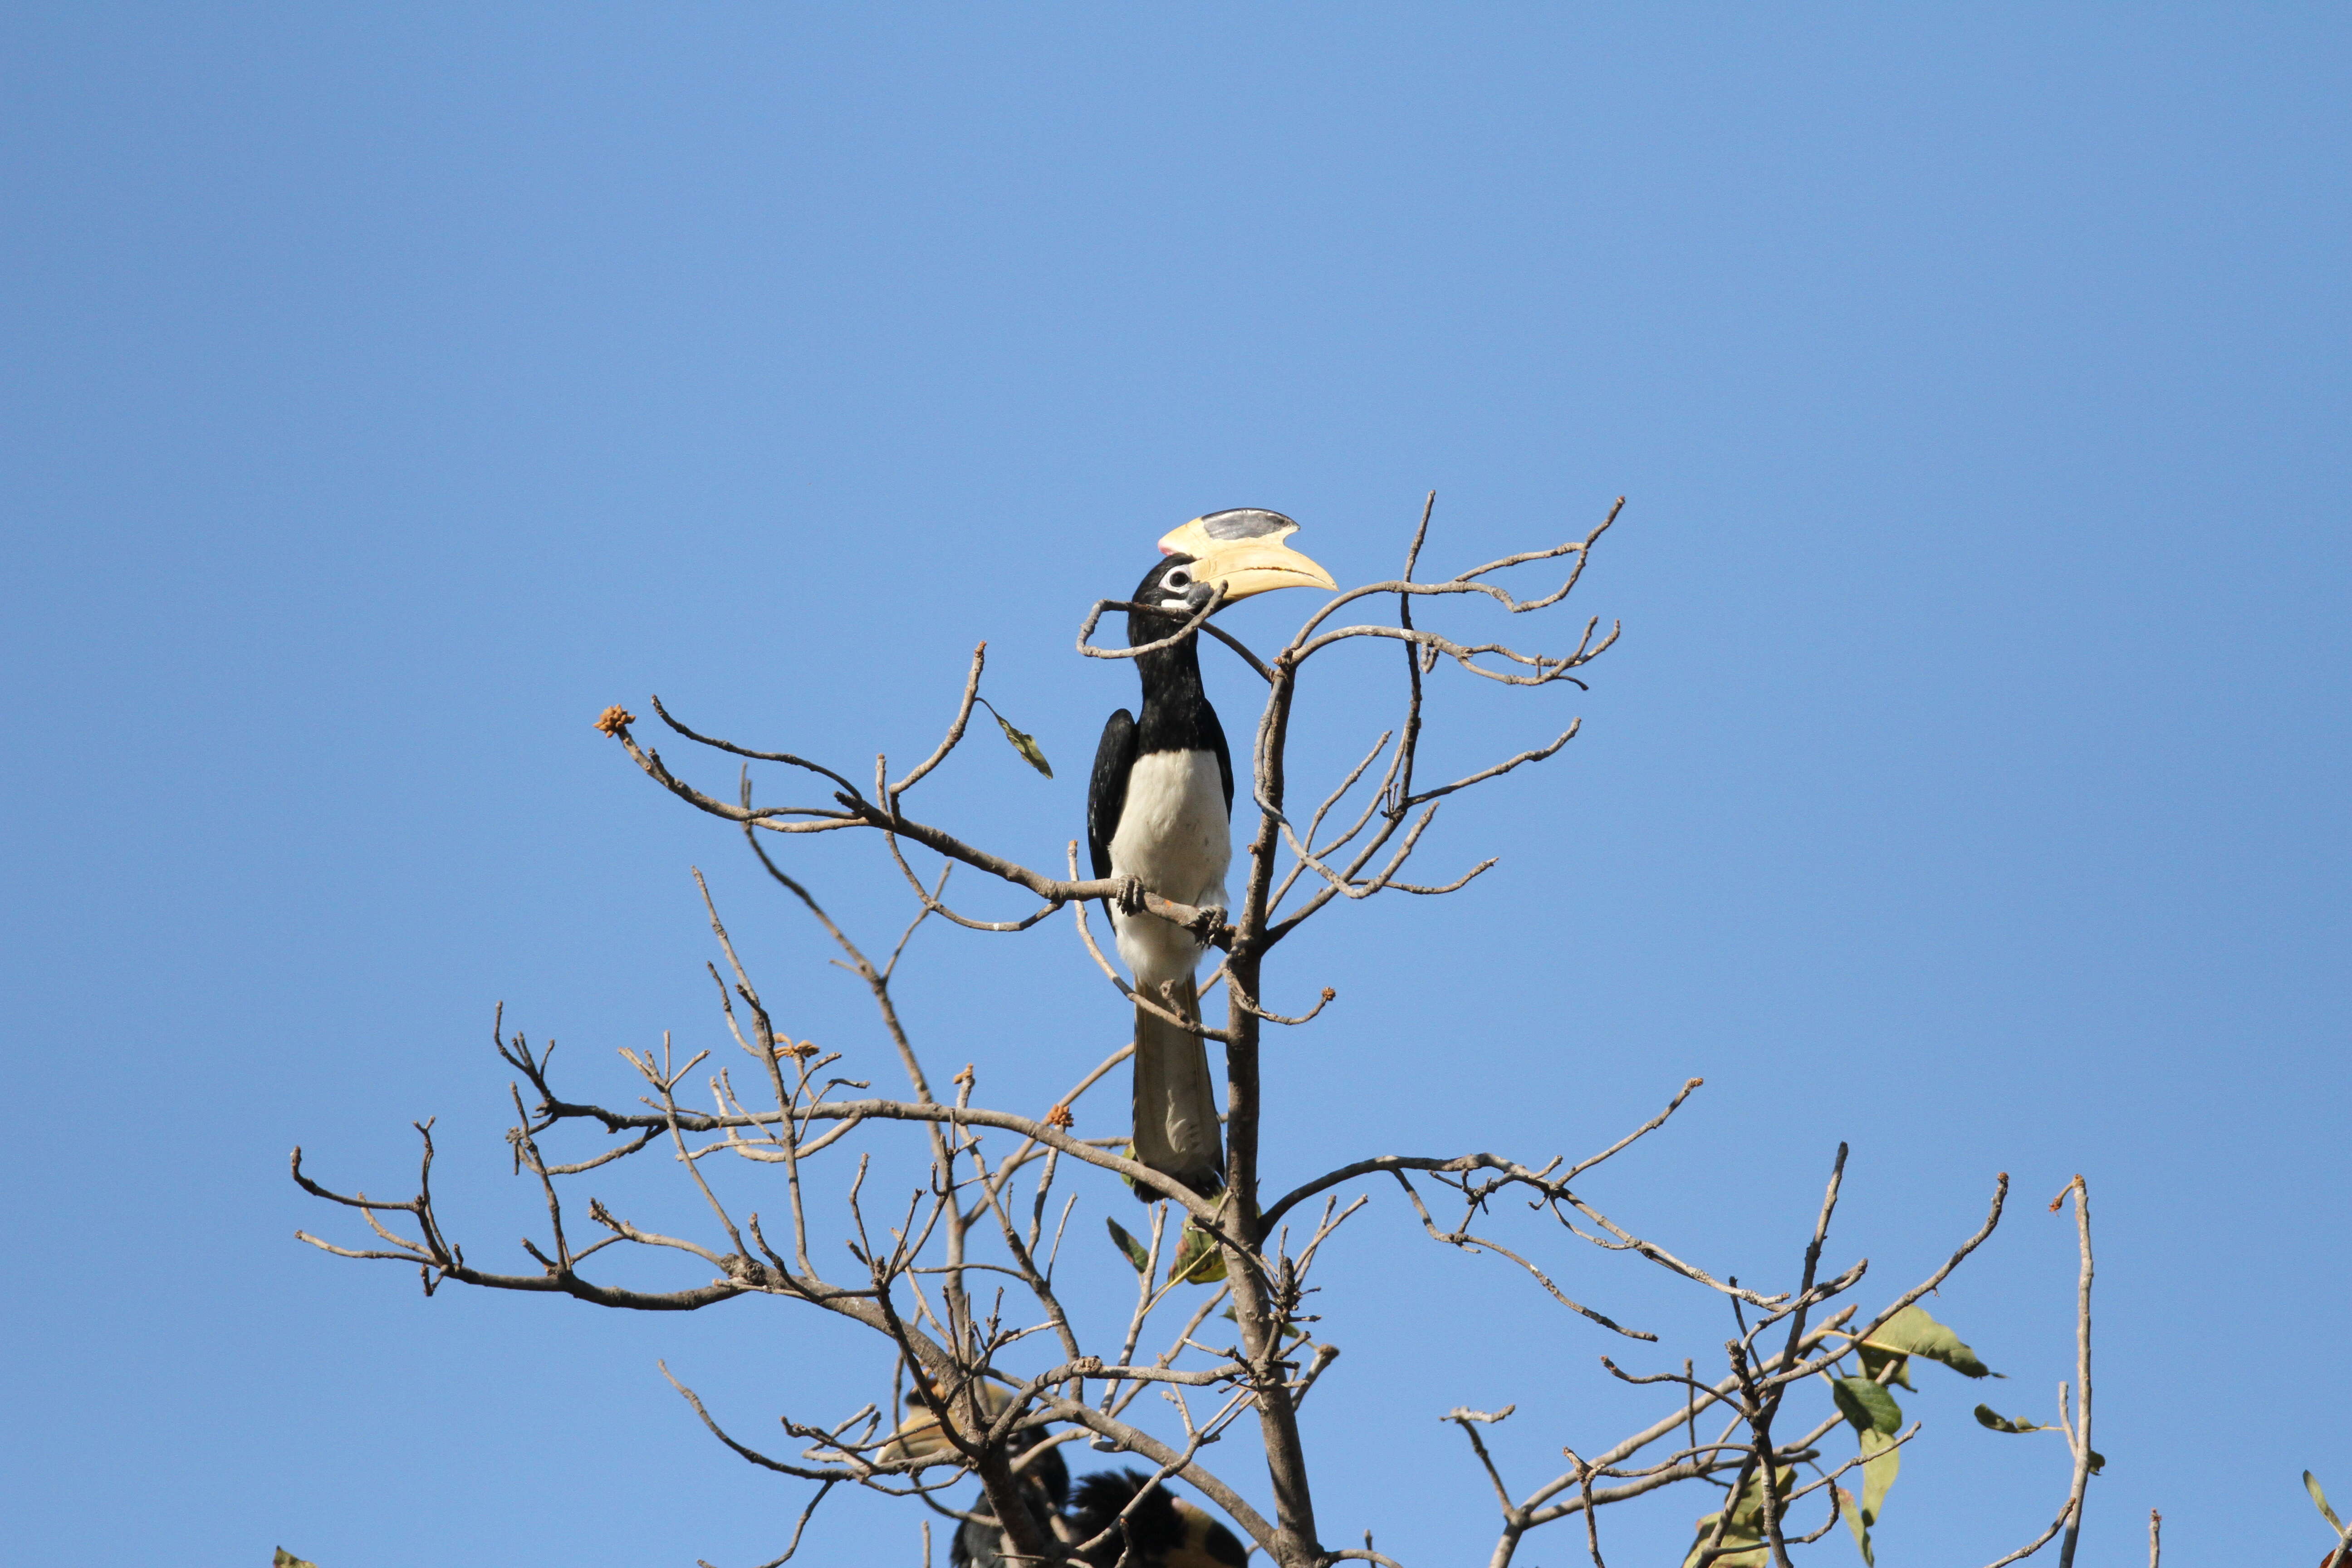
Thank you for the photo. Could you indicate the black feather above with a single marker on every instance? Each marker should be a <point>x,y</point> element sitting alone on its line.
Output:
<point>1164,1532</point>
<point>1106,791</point>
<point>1176,716</point>
<point>980,1543</point>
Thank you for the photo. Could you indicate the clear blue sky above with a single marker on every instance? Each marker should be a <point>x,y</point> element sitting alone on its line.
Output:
<point>388,389</point>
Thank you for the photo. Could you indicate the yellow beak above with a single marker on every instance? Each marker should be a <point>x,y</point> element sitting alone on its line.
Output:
<point>1243,552</point>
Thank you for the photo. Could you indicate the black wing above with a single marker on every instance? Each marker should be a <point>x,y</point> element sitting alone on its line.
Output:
<point>1224,757</point>
<point>1107,793</point>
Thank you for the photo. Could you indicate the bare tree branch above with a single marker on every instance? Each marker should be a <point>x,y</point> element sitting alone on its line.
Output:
<point>994,1372</point>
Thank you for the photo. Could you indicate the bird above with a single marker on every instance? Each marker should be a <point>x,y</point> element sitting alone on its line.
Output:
<point>1159,813</point>
<point>1046,1490</point>
<point>1162,1532</point>
<point>980,1543</point>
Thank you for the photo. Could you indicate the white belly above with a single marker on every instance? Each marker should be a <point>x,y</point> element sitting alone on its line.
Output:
<point>1174,837</point>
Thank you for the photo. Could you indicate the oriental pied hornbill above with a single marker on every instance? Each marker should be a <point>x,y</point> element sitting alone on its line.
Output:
<point>1161,1532</point>
<point>1044,1479</point>
<point>1159,816</point>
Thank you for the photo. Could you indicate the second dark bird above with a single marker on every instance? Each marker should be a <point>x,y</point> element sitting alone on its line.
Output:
<point>1164,1532</point>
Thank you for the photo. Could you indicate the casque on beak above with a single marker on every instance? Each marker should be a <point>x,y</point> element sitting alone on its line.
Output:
<point>1243,551</point>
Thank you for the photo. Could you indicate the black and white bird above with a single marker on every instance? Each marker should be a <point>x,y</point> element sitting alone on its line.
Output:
<point>1161,1531</point>
<point>1160,812</point>
<point>979,1542</point>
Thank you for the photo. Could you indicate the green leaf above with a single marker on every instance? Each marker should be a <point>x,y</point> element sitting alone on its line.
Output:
<point>1199,1259</point>
<point>2311,1485</point>
<point>285,1559</point>
<point>1876,1418</point>
<point>1867,1406</point>
<point>1874,1359</point>
<point>1912,1332</point>
<point>1992,1420</point>
<point>1024,743</point>
<point>1129,1245</point>
<point>1987,1417</point>
<point>1882,1462</point>
<point>1852,1512</point>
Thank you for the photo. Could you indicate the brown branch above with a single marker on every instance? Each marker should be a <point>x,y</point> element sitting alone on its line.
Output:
<point>1135,1440</point>
<point>793,1547</point>
<point>1690,1087</point>
<point>954,734</point>
<point>1627,1242</point>
<point>1159,1009</point>
<point>1390,1162</point>
<point>1761,1409</point>
<point>1539,754</point>
<point>1512,1172</point>
<point>949,1371</point>
<point>1199,623</point>
<point>929,897</point>
<point>1251,1007</point>
<point>1465,1419</point>
<point>781,1467</point>
<point>1456,886</point>
<point>857,811</point>
<point>1992,1218</point>
<point>1539,1514</point>
<point>1466,582</point>
<point>1548,667</point>
<point>1469,1243</point>
<point>2081,1435</point>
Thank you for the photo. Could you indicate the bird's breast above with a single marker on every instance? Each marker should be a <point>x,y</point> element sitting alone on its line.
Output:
<point>1173,831</point>
<point>1173,837</point>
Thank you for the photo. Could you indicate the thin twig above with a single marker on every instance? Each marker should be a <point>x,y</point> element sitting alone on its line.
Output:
<point>2082,1433</point>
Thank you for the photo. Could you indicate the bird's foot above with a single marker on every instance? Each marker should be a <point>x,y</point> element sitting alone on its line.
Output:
<point>1130,895</point>
<point>1208,923</point>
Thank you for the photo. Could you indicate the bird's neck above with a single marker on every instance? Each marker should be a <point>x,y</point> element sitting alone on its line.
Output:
<point>1176,714</point>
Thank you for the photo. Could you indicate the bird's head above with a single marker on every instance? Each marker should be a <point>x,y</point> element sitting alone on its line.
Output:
<point>1242,551</point>
<point>920,1436</point>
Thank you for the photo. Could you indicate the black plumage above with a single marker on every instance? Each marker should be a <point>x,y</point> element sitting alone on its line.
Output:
<point>1159,809</point>
<point>1177,714</point>
<point>1046,1489</point>
<point>1162,1532</point>
<point>1159,819</point>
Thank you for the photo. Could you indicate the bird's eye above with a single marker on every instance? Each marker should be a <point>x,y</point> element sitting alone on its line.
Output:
<point>1179,579</point>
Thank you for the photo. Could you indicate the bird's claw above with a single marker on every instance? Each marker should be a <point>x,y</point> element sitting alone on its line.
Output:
<point>1208,923</point>
<point>1130,895</point>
